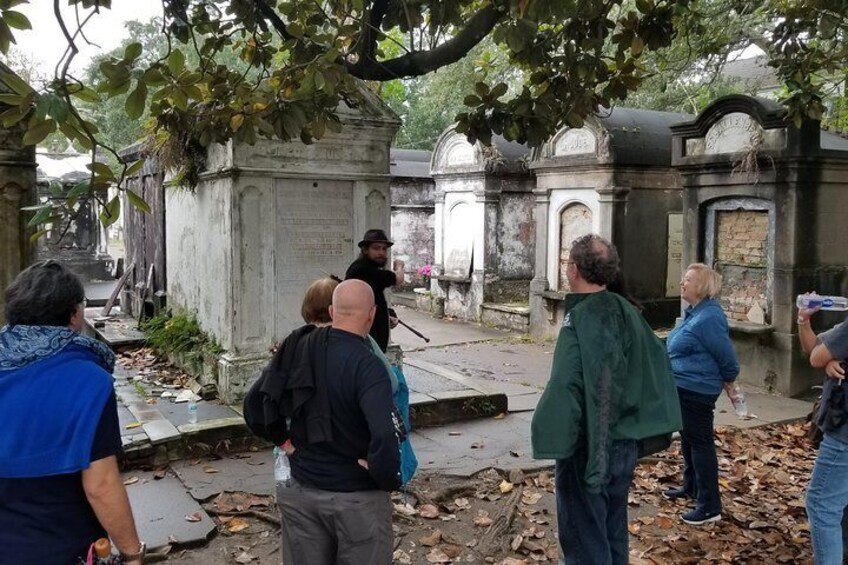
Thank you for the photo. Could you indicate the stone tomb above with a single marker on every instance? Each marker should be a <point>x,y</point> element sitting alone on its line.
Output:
<point>613,177</point>
<point>765,204</point>
<point>413,211</point>
<point>266,221</point>
<point>17,189</point>
<point>82,246</point>
<point>485,232</point>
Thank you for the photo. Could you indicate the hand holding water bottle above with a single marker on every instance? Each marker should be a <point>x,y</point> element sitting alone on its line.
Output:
<point>737,398</point>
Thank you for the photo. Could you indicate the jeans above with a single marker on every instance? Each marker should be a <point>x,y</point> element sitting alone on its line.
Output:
<point>593,526</point>
<point>827,496</point>
<point>700,470</point>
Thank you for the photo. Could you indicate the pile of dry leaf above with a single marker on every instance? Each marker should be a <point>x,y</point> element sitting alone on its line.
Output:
<point>511,520</point>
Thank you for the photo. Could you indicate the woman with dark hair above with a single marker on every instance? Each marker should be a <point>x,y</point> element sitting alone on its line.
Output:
<point>60,488</point>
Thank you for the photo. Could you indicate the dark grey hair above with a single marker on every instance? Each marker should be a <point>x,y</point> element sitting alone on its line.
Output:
<point>595,258</point>
<point>45,294</point>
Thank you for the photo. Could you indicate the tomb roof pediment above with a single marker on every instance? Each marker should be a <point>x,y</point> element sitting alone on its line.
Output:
<point>737,124</point>
<point>623,136</point>
<point>453,154</point>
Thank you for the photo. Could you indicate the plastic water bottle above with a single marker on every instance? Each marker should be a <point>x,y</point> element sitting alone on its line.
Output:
<point>192,411</point>
<point>836,303</point>
<point>738,400</point>
<point>282,468</point>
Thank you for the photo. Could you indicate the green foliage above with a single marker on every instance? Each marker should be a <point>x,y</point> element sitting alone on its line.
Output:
<point>250,69</point>
<point>179,334</point>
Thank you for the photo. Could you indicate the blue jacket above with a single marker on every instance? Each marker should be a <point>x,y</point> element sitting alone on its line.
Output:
<point>701,354</point>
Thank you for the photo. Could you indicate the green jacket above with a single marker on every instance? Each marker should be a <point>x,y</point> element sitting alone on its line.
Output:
<point>610,380</point>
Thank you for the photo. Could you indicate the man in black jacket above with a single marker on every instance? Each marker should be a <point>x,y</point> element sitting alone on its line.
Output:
<point>346,433</point>
<point>370,267</point>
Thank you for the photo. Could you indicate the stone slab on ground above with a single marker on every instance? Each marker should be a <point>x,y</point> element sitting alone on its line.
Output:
<point>768,409</point>
<point>242,472</point>
<point>523,397</point>
<point>441,332</point>
<point>466,448</point>
<point>426,382</point>
<point>177,413</point>
<point>527,364</point>
<point>118,330</point>
<point>160,508</point>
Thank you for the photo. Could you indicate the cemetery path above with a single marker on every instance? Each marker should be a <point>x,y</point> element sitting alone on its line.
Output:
<point>445,519</point>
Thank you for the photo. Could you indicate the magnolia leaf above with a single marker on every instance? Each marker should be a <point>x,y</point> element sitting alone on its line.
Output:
<point>176,61</point>
<point>41,216</point>
<point>132,52</point>
<point>38,131</point>
<point>236,121</point>
<point>134,105</point>
<point>111,212</point>
<point>138,201</point>
<point>16,20</point>
<point>86,95</point>
<point>134,168</point>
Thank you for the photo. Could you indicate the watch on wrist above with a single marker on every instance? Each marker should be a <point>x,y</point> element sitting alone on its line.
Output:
<point>142,551</point>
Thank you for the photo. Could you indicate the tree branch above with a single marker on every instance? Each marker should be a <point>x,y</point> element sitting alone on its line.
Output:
<point>273,17</point>
<point>422,62</point>
<point>371,31</point>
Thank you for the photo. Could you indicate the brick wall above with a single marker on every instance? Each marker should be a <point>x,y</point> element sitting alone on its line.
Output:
<point>741,253</point>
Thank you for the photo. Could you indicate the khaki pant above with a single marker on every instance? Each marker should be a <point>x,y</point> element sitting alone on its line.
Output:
<point>335,528</point>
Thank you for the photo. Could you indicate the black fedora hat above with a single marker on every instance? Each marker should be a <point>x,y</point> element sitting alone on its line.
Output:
<point>375,236</point>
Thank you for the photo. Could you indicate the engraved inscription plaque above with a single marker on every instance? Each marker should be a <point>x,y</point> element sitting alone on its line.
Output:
<point>675,255</point>
<point>733,133</point>
<point>576,142</point>
<point>314,233</point>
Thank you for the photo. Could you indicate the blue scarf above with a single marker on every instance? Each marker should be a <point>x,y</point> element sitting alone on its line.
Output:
<point>54,384</point>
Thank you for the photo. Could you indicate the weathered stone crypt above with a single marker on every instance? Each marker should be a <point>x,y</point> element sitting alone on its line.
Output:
<point>764,203</point>
<point>267,220</point>
<point>613,177</point>
<point>484,234</point>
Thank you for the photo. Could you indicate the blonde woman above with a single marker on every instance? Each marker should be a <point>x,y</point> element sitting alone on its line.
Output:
<point>703,362</point>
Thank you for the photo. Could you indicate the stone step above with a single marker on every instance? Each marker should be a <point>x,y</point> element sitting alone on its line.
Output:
<point>156,430</point>
<point>404,299</point>
<point>515,317</point>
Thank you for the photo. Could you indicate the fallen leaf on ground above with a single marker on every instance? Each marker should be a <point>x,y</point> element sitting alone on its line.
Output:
<point>431,540</point>
<point>401,557</point>
<point>482,520</point>
<point>237,525</point>
<point>436,555</point>
<point>133,425</point>
<point>194,517</point>
<point>516,542</point>
<point>130,481</point>
<point>506,486</point>
<point>210,469</point>
<point>429,511</point>
<point>531,498</point>
<point>244,557</point>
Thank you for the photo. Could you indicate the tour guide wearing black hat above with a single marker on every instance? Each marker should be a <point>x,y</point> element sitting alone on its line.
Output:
<point>370,267</point>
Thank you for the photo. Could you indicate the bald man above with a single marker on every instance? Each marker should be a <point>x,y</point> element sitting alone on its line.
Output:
<point>346,441</point>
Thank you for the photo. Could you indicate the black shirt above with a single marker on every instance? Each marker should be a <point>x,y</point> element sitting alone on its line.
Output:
<point>48,519</point>
<point>364,424</point>
<point>379,280</point>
